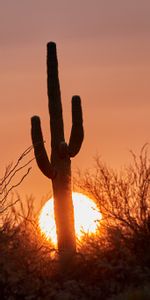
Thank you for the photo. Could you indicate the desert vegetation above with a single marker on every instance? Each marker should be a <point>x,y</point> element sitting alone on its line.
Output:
<point>58,167</point>
<point>112,264</point>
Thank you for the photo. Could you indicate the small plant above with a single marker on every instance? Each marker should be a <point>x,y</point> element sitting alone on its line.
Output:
<point>58,168</point>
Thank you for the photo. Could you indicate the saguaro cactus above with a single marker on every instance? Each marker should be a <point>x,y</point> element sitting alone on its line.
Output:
<point>58,168</point>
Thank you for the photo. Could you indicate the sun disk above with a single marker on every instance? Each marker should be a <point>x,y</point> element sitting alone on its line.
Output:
<point>86,215</point>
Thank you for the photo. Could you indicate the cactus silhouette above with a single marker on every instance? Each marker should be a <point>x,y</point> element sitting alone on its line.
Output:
<point>58,168</point>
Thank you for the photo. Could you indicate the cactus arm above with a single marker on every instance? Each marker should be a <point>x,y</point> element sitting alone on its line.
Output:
<point>77,133</point>
<point>39,149</point>
<point>54,95</point>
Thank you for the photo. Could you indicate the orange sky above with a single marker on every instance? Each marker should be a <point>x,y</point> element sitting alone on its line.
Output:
<point>104,56</point>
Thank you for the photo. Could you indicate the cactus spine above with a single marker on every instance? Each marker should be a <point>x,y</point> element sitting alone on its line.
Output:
<point>58,168</point>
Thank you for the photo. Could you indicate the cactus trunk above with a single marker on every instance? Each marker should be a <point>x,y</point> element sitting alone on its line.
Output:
<point>58,168</point>
<point>63,207</point>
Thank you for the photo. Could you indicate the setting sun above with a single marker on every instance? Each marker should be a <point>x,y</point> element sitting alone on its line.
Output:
<point>86,217</point>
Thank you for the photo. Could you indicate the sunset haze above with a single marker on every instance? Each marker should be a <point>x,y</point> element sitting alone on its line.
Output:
<point>104,56</point>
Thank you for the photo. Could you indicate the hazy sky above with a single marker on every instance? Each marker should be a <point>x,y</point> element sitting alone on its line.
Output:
<point>104,56</point>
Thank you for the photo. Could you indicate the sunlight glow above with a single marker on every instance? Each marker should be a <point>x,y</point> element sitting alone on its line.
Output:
<point>87,217</point>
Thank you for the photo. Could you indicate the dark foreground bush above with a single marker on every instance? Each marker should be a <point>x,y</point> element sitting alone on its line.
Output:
<point>29,267</point>
<point>113,264</point>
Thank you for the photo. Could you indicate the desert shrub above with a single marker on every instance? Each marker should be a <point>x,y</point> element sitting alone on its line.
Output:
<point>27,258</point>
<point>118,256</point>
<point>115,261</point>
<point>124,201</point>
<point>141,293</point>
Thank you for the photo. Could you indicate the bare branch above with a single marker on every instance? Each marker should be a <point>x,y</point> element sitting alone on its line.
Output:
<point>123,198</point>
<point>12,173</point>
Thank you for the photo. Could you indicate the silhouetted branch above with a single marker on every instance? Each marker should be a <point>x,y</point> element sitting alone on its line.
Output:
<point>123,198</point>
<point>7,184</point>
